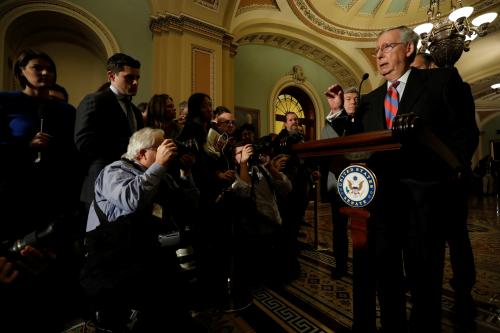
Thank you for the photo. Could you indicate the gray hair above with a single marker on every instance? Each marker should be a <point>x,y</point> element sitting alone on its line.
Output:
<point>407,36</point>
<point>142,139</point>
<point>351,90</point>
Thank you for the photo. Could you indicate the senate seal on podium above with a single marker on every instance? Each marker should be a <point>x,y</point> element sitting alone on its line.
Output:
<point>357,185</point>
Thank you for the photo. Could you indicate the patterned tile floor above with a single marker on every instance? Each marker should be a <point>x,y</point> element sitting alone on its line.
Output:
<point>316,303</point>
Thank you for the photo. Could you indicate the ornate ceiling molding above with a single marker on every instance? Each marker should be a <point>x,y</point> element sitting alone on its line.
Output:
<point>210,4</point>
<point>345,76</point>
<point>249,5</point>
<point>347,5</point>
<point>309,16</point>
<point>227,42</point>
<point>482,91</point>
<point>167,22</point>
<point>316,20</point>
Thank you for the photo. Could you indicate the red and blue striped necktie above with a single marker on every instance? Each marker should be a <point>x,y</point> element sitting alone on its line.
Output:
<point>391,104</point>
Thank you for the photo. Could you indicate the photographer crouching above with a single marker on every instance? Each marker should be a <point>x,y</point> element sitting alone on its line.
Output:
<point>131,257</point>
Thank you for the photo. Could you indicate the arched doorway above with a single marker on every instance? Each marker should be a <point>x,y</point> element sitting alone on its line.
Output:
<point>303,95</point>
<point>294,99</point>
<point>75,39</point>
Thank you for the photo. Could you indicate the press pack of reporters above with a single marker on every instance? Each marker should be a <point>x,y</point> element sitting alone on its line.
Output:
<point>124,256</point>
<point>133,199</point>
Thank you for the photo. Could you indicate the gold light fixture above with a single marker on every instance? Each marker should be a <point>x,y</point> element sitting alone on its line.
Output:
<point>445,38</point>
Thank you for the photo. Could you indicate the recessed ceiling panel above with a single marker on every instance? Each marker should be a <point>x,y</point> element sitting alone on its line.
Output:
<point>346,4</point>
<point>370,7</point>
<point>398,7</point>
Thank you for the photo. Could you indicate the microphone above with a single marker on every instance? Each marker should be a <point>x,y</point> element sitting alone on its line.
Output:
<point>363,79</point>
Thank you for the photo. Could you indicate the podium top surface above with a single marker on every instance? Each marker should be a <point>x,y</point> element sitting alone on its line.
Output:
<point>359,143</point>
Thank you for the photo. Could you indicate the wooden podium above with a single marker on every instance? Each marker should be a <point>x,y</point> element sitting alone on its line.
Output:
<point>342,152</point>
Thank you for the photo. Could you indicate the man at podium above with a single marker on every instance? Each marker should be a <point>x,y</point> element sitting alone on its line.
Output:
<point>420,191</point>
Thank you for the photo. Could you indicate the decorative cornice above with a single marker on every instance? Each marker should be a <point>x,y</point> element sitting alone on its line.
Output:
<point>168,22</point>
<point>246,6</point>
<point>213,5</point>
<point>227,42</point>
<point>313,18</point>
<point>485,5</point>
<point>308,15</point>
<point>481,89</point>
<point>345,76</point>
<point>245,9</point>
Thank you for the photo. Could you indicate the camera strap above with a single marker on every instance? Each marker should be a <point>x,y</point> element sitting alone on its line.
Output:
<point>100,214</point>
<point>267,178</point>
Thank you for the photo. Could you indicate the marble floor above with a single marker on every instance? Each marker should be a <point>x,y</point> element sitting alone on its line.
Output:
<point>316,303</point>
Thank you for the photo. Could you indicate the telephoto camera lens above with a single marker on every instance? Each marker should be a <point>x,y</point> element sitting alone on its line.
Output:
<point>34,238</point>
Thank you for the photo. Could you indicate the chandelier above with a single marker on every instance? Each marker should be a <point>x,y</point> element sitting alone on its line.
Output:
<point>496,87</point>
<point>445,38</point>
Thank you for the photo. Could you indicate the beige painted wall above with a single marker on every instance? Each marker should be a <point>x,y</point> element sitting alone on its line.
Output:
<point>176,69</point>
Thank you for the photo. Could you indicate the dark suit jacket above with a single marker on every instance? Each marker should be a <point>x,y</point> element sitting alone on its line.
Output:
<point>445,104</point>
<point>102,133</point>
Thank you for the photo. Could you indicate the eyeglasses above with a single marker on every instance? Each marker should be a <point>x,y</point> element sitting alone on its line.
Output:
<point>385,48</point>
<point>227,122</point>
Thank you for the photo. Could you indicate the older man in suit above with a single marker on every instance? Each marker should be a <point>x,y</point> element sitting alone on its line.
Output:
<point>420,189</point>
<point>105,120</point>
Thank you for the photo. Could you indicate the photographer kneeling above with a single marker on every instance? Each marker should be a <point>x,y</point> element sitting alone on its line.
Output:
<point>132,275</point>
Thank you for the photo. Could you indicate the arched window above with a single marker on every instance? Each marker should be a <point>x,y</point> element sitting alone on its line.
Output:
<point>294,99</point>
<point>286,103</point>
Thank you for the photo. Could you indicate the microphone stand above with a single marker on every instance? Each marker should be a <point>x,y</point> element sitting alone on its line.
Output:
<point>363,79</point>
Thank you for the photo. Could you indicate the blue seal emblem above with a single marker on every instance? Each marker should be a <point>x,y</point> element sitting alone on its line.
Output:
<point>357,185</point>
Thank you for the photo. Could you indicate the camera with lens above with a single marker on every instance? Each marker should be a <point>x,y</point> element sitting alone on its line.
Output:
<point>190,146</point>
<point>38,239</point>
<point>187,147</point>
<point>285,143</point>
<point>262,147</point>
